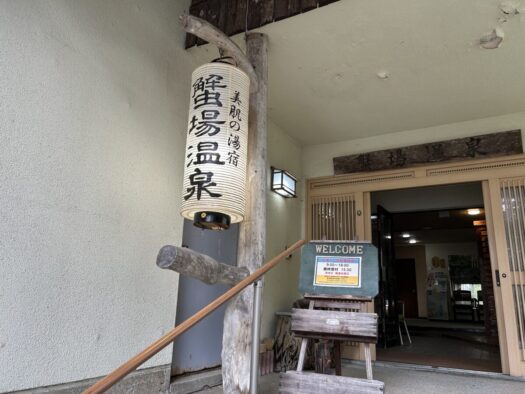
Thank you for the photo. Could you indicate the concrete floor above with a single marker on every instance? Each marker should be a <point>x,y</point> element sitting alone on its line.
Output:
<point>404,380</point>
<point>435,349</point>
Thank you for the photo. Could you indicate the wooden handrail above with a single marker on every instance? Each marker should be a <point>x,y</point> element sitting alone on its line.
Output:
<point>132,364</point>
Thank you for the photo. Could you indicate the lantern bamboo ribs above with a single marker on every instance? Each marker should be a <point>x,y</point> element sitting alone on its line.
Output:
<point>214,184</point>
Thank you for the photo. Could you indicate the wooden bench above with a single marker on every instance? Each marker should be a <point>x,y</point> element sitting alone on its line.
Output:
<point>338,326</point>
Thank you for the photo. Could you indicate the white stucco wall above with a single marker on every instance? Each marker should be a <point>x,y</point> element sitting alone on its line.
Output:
<point>283,229</point>
<point>93,109</point>
<point>317,159</point>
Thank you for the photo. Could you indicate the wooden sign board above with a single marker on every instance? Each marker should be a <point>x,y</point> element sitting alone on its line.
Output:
<point>460,149</point>
<point>339,268</point>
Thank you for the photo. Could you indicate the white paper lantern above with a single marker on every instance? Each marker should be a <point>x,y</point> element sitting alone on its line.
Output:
<point>214,186</point>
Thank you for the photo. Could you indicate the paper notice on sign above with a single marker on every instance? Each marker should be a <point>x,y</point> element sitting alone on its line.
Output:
<point>337,271</point>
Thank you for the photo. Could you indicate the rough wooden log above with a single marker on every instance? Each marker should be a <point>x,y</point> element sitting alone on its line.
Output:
<point>199,266</point>
<point>236,342</point>
<point>211,34</point>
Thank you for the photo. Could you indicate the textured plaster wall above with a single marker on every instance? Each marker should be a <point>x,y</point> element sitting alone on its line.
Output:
<point>283,229</point>
<point>93,107</point>
<point>317,159</point>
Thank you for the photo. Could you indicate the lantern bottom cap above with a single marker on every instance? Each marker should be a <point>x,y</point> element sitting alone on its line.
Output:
<point>211,220</point>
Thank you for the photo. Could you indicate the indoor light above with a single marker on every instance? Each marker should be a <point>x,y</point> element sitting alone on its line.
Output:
<point>214,182</point>
<point>474,211</point>
<point>412,241</point>
<point>405,235</point>
<point>283,183</point>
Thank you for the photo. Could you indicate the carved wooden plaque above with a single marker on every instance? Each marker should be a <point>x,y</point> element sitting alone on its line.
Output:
<point>477,147</point>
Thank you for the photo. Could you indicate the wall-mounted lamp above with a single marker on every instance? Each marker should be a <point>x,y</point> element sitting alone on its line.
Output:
<point>284,183</point>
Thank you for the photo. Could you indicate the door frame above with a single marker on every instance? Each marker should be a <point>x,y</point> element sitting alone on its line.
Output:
<point>487,171</point>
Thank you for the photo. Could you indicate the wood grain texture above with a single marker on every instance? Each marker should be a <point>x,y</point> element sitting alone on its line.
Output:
<point>199,266</point>
<point>198,8</point>
<point>260,13</point>
<point>323,357</point>
<point>307,5</point>
<point>460,149</point>
<point>236,341</point>
<point>286,8</point>
<point>211,34</point>
<point>310,296</point>
<point>237,16</point>
<point>326,2</point>
<point>304,343</point>
<point>348,306</point>
<point>313,383</point>
<point>353,326</point>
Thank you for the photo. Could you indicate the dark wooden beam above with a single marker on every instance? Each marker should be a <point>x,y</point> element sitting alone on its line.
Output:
<point>480,146</point>
<point>211,34</point>
<point>307,5</point>
<point>236,16</point>
<point>286,8</point>
<point>260,13</point>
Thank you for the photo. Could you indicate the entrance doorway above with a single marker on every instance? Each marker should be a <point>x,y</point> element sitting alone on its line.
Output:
<point>339,208</point>
<point>436,305</point>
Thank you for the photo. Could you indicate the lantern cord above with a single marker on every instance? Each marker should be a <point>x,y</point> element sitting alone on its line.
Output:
<point>226,60</point>
<point>246,17</point>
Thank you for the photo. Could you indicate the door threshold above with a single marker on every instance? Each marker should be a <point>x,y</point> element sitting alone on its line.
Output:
<point>444,370</point>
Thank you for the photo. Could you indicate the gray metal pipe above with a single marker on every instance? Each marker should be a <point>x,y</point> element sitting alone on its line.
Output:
<point>256,333</point>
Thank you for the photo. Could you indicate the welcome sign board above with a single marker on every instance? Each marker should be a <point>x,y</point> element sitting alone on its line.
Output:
<point>339,268</point>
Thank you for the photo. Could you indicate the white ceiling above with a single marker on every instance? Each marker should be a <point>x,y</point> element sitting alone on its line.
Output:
<point>324,64</point>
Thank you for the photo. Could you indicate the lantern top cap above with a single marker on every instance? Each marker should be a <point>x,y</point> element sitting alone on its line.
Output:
<point>224,66</point>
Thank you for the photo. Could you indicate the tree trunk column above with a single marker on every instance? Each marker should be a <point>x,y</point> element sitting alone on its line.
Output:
<point>236,343</point>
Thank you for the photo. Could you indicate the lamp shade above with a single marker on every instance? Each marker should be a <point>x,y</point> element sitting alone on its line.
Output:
<point>283,183</point>
<point>214,184</point>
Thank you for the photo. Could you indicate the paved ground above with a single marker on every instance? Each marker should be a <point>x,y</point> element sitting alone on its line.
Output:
<point>435,349</point>
<point>415,381</point>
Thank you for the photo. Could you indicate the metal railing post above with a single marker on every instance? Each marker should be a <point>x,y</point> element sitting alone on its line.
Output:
<point>256,333</point>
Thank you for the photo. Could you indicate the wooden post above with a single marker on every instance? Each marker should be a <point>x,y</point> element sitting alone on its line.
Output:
<point>236,343</point>
<point>252,237</point>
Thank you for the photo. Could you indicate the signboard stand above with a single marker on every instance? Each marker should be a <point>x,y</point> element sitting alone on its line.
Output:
<point>338,279</point>
<point>339,304</point>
